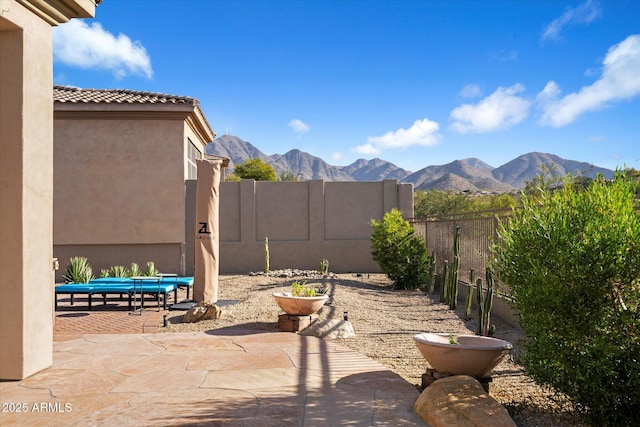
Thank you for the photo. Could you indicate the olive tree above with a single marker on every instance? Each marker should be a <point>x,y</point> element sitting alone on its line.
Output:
<point>255,169</point>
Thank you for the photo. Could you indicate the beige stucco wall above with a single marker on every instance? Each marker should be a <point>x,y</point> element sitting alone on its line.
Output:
<point>119,187</point>
<point>305,223</point>
<point>26,178</point>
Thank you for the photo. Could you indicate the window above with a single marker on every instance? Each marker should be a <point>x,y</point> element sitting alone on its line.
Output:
<point>193,155</point>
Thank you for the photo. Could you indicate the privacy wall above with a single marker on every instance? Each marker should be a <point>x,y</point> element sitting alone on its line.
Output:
<point>305,223</point>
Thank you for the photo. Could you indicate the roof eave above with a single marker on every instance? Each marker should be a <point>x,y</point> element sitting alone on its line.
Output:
<point>56,12</point>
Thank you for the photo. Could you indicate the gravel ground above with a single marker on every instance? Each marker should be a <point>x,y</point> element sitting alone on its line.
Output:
<point>384,321</point>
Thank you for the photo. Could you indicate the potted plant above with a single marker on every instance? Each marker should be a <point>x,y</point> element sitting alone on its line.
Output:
<point>303,300</point>
<point>461,354</point>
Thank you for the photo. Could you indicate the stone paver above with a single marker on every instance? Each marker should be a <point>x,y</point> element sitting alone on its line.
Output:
<point>108,369</point>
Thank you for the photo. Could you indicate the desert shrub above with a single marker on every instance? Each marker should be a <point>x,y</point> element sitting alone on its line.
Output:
<point>572,260</point>
<point>400,254</point>
<point>78,271</point>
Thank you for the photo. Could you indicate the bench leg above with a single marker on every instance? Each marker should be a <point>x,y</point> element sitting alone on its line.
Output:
<point>71,296</point>
<point>89,295</point>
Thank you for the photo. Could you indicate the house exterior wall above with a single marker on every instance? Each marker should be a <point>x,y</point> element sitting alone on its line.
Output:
<point>304,221</point>
<point>119,188</point>
<point>26,182</point>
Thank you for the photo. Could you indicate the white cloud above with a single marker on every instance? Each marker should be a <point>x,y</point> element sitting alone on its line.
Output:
<point>299,126</point>
<point>499,110</point>
<point>581,14</point>
<point>470,91</point>
<point>423,132</point>
<point>620,80</point>
<point>337,156</point>
<point>83,45</point>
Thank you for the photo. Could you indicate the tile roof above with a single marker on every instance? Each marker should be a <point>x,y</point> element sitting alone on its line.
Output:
<point>119,96</point>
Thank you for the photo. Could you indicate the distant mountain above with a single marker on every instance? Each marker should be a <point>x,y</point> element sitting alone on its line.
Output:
<point>235,149</point>
<point>469,174</point>
<point>308,166</point>
<point>305,164</point>
<point>375,170</point>
<point>459,175</point>
<point>528,166</point>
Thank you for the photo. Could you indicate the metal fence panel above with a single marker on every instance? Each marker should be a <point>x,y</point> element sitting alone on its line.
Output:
<point>477,234</point>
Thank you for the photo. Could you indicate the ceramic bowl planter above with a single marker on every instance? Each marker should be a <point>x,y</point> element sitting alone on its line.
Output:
<point>299,305</point>
<point>471,355</point>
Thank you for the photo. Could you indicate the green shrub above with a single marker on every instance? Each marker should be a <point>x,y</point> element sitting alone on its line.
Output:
<point>572,259</point>
<point>400,254</point>
<point>78,271</point>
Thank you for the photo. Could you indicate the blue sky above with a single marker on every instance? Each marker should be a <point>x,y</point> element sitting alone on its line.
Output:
<point>416,83</point>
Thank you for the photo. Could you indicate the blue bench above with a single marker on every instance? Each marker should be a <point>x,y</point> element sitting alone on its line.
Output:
<point>183,283</point>
<point>72,289</point>
<point>121,286</point>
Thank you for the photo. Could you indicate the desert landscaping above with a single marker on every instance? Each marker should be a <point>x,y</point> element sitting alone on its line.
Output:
<point>384,321</point>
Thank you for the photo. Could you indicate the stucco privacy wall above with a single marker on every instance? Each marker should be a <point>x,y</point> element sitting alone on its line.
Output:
<point>305,223</point>
<point>26,181</point>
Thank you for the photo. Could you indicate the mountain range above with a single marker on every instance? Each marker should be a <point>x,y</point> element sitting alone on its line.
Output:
<point>470,174</point>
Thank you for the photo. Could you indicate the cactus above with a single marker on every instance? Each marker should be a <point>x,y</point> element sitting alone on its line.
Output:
<point>324,267</point>
<point>485,302</point>
<point>451,295</point>
<point>432,272</point>
<point>266,255</point>
<point>443,283</point>
<point>467,306</point>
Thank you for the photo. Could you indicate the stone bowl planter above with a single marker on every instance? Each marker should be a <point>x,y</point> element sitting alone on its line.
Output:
<point>299,306</point>
<point>474,355</point>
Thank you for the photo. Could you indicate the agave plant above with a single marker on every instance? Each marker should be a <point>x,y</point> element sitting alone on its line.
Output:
<point>78,271</point>
<point>135,270</point>
<point>151,270</point>
<point>118,271</point>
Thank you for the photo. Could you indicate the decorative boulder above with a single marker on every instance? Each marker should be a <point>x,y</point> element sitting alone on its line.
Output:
<point>330,329</point>
<point>203,311</point>
<point>460,401</point>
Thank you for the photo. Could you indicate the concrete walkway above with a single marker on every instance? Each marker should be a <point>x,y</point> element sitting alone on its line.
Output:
<point>235,378</point>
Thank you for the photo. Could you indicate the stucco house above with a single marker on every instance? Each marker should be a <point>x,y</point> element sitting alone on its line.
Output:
<point>121,159</point>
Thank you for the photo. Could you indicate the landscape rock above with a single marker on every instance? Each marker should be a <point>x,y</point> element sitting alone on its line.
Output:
<point>203,311</point>
<point>460,401</point>
<point>330,329</point>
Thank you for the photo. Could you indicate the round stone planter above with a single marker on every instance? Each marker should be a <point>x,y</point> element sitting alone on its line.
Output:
<point>299,306</point>
<point>474,355</point>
